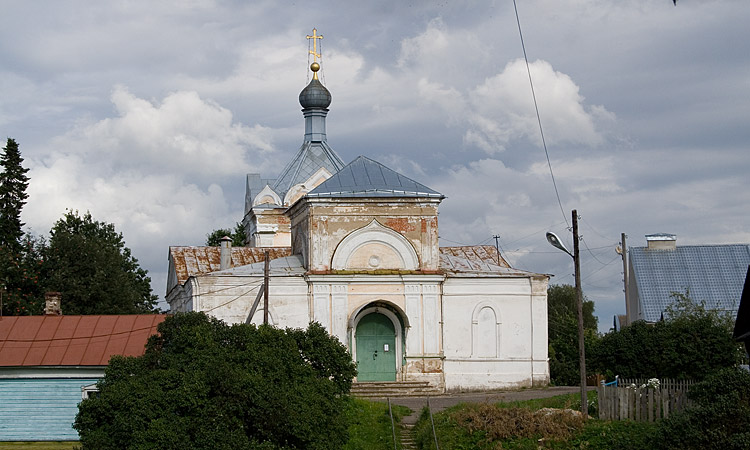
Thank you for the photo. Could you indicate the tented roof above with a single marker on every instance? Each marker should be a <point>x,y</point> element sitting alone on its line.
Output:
<point>364,177</point>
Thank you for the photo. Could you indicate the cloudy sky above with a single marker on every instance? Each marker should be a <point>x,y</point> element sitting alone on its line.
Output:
<point>149,115</point>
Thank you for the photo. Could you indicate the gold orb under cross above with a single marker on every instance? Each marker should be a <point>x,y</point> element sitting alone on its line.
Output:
<point>315,67</point>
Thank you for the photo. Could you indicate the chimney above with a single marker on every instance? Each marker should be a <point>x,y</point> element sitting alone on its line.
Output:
<point>226,253</point>
<point>661,241</point>
<point>52,304</point>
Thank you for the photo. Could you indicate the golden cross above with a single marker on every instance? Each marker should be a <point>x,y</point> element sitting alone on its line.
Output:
<point>315,38</point>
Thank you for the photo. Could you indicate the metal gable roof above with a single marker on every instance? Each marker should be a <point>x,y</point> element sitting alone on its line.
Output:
<point>713,274</point>
<point>73,340</point>
<point>364,177</point>
<point>191,261</point>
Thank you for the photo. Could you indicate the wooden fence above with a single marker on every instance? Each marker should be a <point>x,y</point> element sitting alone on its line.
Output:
<point>630,400</point>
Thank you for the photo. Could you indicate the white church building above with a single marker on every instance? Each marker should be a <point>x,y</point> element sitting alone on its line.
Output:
<point>355,248</point>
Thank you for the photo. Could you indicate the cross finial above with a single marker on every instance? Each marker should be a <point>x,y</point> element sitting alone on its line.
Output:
<point>315,38</point>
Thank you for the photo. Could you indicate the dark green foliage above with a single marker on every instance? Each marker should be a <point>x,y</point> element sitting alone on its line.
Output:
<point>204,384</point>
<point>88,263</point>
<point>18,255</point>
<point>21,276</point>
<point>562,316</point>
<point>719,419</point>
<point>13,184</point>
<point>690,344</point>
<point>238,236</point>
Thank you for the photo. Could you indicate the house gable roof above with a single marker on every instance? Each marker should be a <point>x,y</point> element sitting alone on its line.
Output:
<point>366,178</point>
<point>713,274</point>
<point>73,340</point>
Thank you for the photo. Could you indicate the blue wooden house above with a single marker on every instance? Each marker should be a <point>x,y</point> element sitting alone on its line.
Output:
<point>49,363</point>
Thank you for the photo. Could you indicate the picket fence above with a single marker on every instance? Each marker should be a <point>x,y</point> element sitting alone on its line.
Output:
<point>631,401</point>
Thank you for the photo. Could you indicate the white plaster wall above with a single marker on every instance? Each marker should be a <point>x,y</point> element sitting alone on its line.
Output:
<point>230,298</point>
<point>521,332</point>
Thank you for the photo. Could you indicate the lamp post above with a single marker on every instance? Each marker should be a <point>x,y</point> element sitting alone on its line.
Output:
<point>556,242</point>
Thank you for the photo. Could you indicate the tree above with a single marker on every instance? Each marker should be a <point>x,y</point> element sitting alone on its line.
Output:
<point>562,318</point>
<point>13,184</point>
<point>21,276</point>
<point>204,384</point>
<point>213,239</point>
<point>690,343</point>
<point>88,263</point>
<point>18,255</point>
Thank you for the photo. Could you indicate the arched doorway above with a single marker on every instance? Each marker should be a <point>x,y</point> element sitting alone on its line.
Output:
<point>375,337</point>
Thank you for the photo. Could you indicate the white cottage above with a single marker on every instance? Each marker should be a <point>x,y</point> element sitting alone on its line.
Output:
<point>355,247</point>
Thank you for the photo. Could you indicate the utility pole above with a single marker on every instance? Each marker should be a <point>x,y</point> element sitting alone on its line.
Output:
<point>579,294</point>
<point>625,278</point>
<point>497,247</point>
<point>265,288</point>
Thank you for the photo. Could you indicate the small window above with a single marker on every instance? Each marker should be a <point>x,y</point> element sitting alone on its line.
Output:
<point>90,391</point>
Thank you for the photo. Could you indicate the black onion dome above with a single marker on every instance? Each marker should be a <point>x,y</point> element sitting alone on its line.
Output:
<point>315,95</point>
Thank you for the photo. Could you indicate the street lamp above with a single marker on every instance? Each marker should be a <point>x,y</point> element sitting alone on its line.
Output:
<point>557,243</point>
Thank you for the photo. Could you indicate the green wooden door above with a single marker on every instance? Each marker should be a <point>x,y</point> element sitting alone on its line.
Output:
<point>376,348</point>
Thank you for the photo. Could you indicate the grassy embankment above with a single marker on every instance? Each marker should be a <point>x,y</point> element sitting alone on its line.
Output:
<point>520,426</point>
<point>370,425</point>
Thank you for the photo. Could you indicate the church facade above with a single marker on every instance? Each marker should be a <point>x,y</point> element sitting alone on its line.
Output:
<point>355,248</point>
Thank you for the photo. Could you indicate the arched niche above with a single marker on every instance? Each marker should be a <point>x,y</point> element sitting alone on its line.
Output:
<point>374,247</point>
<point>485,331</point>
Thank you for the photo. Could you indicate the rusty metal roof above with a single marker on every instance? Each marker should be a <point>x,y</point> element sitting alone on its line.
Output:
<point>479,256</point>
<point>73,340</point>
<point>192,261</point>
<point>477,261</point>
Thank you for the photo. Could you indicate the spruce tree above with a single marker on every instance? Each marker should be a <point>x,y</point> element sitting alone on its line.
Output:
<point>20,256</point>
<point>13,184</point>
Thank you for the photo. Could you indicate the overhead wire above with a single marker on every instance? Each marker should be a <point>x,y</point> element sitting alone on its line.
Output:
<point>538,118</point>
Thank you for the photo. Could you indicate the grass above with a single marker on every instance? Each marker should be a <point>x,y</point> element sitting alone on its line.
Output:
<point>370,425</point>
<point>514,425</point>
<point>47,445</point>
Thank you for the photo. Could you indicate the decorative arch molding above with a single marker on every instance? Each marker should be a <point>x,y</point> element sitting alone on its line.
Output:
<point>396,247</point>
<point>395,314</point>
<point>265,195</point>
<point>301,189</point>
<point>485,330</point>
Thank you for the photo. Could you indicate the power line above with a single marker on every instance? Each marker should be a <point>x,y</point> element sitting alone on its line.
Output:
<point>538,118</point>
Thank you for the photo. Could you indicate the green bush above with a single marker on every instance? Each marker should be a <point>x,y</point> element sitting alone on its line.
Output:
<point>204,384</point>
<point>719,419</point>
<point>691,343</point>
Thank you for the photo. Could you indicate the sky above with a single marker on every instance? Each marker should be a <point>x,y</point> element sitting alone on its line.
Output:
<point>150,114</point>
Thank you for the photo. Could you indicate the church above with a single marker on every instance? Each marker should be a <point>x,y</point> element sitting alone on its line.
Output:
<point>355,247</point>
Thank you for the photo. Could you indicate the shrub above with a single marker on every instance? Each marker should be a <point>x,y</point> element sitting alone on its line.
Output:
<point>719,419</point>
<point>205,384</point>
<point>690,344</point>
